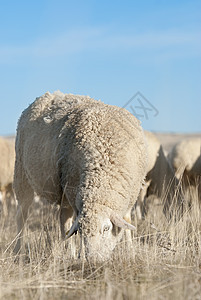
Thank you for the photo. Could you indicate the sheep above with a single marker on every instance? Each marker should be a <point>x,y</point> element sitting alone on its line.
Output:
<point>185,159</point>
<point>196,168</point>
<point>86,156</point>
<point>7,154</point>
<point>196,172</point>
<point>160,180</point>
<point>183,156</point>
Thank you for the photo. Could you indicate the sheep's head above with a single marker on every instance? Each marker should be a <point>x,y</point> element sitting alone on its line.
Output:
<point>101,231</point>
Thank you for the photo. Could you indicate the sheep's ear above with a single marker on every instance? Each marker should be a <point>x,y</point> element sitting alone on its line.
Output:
<point>120,222</point>
<point>73,229</point>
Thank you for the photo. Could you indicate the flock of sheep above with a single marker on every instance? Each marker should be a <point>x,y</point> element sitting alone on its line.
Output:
<point>96,162</point>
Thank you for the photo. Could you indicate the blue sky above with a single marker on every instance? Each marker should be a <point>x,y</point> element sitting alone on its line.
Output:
<point>108,50</point>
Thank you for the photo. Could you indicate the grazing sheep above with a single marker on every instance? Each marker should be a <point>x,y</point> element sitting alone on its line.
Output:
<point>184,155</point>
<point>88,157</point>
<point>196,172</point>
<point>7,154</point>
<point>160,179</point>
<point>196,168</point>
<point>186,161</point>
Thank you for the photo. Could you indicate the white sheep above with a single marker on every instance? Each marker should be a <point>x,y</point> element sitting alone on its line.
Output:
<point>7,155</point>
<point>196,168</point>
<point>186,161</point>
<point>183,156</point>
<point>196,172</point>
<point>160,179</point>
<point>88,157</point>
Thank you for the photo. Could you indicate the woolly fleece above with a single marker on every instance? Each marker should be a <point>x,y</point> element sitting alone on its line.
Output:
<point>81,154</point>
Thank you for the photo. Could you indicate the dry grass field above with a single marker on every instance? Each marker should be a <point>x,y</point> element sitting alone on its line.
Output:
<point>162,262</point>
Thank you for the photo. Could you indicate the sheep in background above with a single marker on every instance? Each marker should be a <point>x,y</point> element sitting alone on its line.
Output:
<point>160,181</point>
<point>196,171</point>
<point>196,168</point>
<point>184,155</point>
<point>88,157</point>
<point>7,154</point>
<point>185,159</point>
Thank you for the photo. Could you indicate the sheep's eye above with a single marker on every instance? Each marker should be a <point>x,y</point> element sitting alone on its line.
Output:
<point>106,228</point>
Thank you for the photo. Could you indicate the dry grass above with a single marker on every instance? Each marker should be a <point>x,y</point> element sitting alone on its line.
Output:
<point>163,262</point>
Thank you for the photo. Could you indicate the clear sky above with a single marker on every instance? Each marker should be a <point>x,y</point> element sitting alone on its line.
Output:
<point>109,50</point>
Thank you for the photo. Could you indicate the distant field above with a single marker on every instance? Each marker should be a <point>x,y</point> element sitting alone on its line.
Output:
<point>162,262</point>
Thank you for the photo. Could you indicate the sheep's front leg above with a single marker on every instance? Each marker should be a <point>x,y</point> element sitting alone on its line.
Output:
<point>25,196</point>
<point>66,219</point>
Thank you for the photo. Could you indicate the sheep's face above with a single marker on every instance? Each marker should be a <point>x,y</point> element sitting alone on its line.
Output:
<point>101,239</point>
<point>100,231</point>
